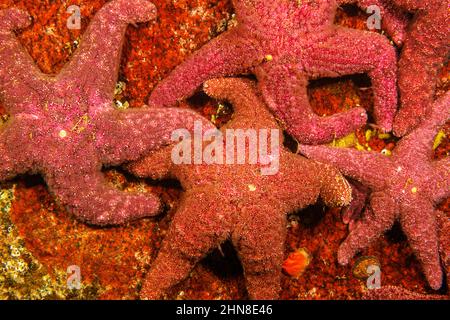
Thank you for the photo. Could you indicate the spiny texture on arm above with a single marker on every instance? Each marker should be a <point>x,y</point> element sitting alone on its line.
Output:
<point>394,21</point>
<point>425,50</point>
<point>285,56</point>
<point>398,293</point>
<point>405,187</point>
<point>66,127</point>
<point>237,201</point>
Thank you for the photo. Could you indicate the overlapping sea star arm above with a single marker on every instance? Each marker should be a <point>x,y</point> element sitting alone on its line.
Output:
<point>418,220</point>
<point>95,65</point>
<point>369,168</point>
<point>247,102</point>
<point>87,195</point>
<point>394,21</point>
<point>441,188</point>
<point>335,190</point>
<point>285,91</point>
<point>418,143</point>
<point>230,53</point>
<point>123,136</point>
<point>350,51</point>
<point>156,165</point>
<point>21,81</point>
<point>425,50</point>
<point>381,219</point>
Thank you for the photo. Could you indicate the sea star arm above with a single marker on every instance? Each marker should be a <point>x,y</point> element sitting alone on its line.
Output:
<point>128,135</point>
<point>335,190</point>
<point>369,168</point>
<point>230,53</point>
<point>285,91</point>
<point>418,144</point>
<point>418,220</point>
<point>101,46</point>
<point>14,156</point>
<point>194,231</point>
<point>156,165</point>
<point>88,196</point>
<point>394,22</point>
<point>21,81</point>
<point>373,224</point>
<point>441,186</point>
<point>350,51</point>
<point>425,50</point>
<point>260,245</point>
<point>360,194</point>
<point>247,102</point>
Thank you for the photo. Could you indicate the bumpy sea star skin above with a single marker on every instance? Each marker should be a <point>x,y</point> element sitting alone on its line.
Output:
<point>236,201</point>
<point>285,43</point>
<point>65,127</point>
<point>394,21</point>
<point>398,293</point>
<point>426,48</point>
<point>405,187</point>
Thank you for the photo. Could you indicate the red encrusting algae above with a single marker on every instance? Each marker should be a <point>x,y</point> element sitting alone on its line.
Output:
<point>117,257</point>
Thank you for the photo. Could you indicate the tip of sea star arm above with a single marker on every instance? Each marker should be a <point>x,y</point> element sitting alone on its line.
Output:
<point>366,167</point>
<point>247,103</point>
<point>418,220</point>
<point>335,190</point>
<point>93,69</point>
<point>231,53</point>
<point>129,135</point>
<point>92,200</point>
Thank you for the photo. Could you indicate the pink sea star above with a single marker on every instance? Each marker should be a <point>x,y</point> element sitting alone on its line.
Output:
<point>398,293</point>
<point>394,21</point>
<point>404,186</point>
<point>426,48</point>
<point>237,201</point>
<point>285,43</point>
<point>65,127</point>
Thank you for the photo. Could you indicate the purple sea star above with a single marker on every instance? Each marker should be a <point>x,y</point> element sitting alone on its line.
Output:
<point>426,48</point>
<point>65,126</point>
<point>398,293</point>
<point>404,187</point>
<point>285,43</point>
<point>237,201</point>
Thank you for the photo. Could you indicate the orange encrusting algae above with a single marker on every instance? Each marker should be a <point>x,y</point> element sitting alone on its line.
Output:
<point>114,257</point>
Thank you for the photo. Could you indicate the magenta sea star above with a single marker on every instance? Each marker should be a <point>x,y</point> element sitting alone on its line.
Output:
<point>426,48</point>
<point>285,43</point>
<point>404,186</point>
<point>65,127</point>
<point>237,201</point>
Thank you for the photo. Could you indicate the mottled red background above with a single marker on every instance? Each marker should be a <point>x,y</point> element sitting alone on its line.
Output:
<point>117,258</point>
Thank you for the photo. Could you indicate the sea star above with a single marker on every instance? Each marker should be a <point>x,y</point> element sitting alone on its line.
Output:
<point>404,186</point>
<point>237,201</point>
<point>398,293</point>
<point>285,43</point>
<point>426,48</point>
<point>65,126</point>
